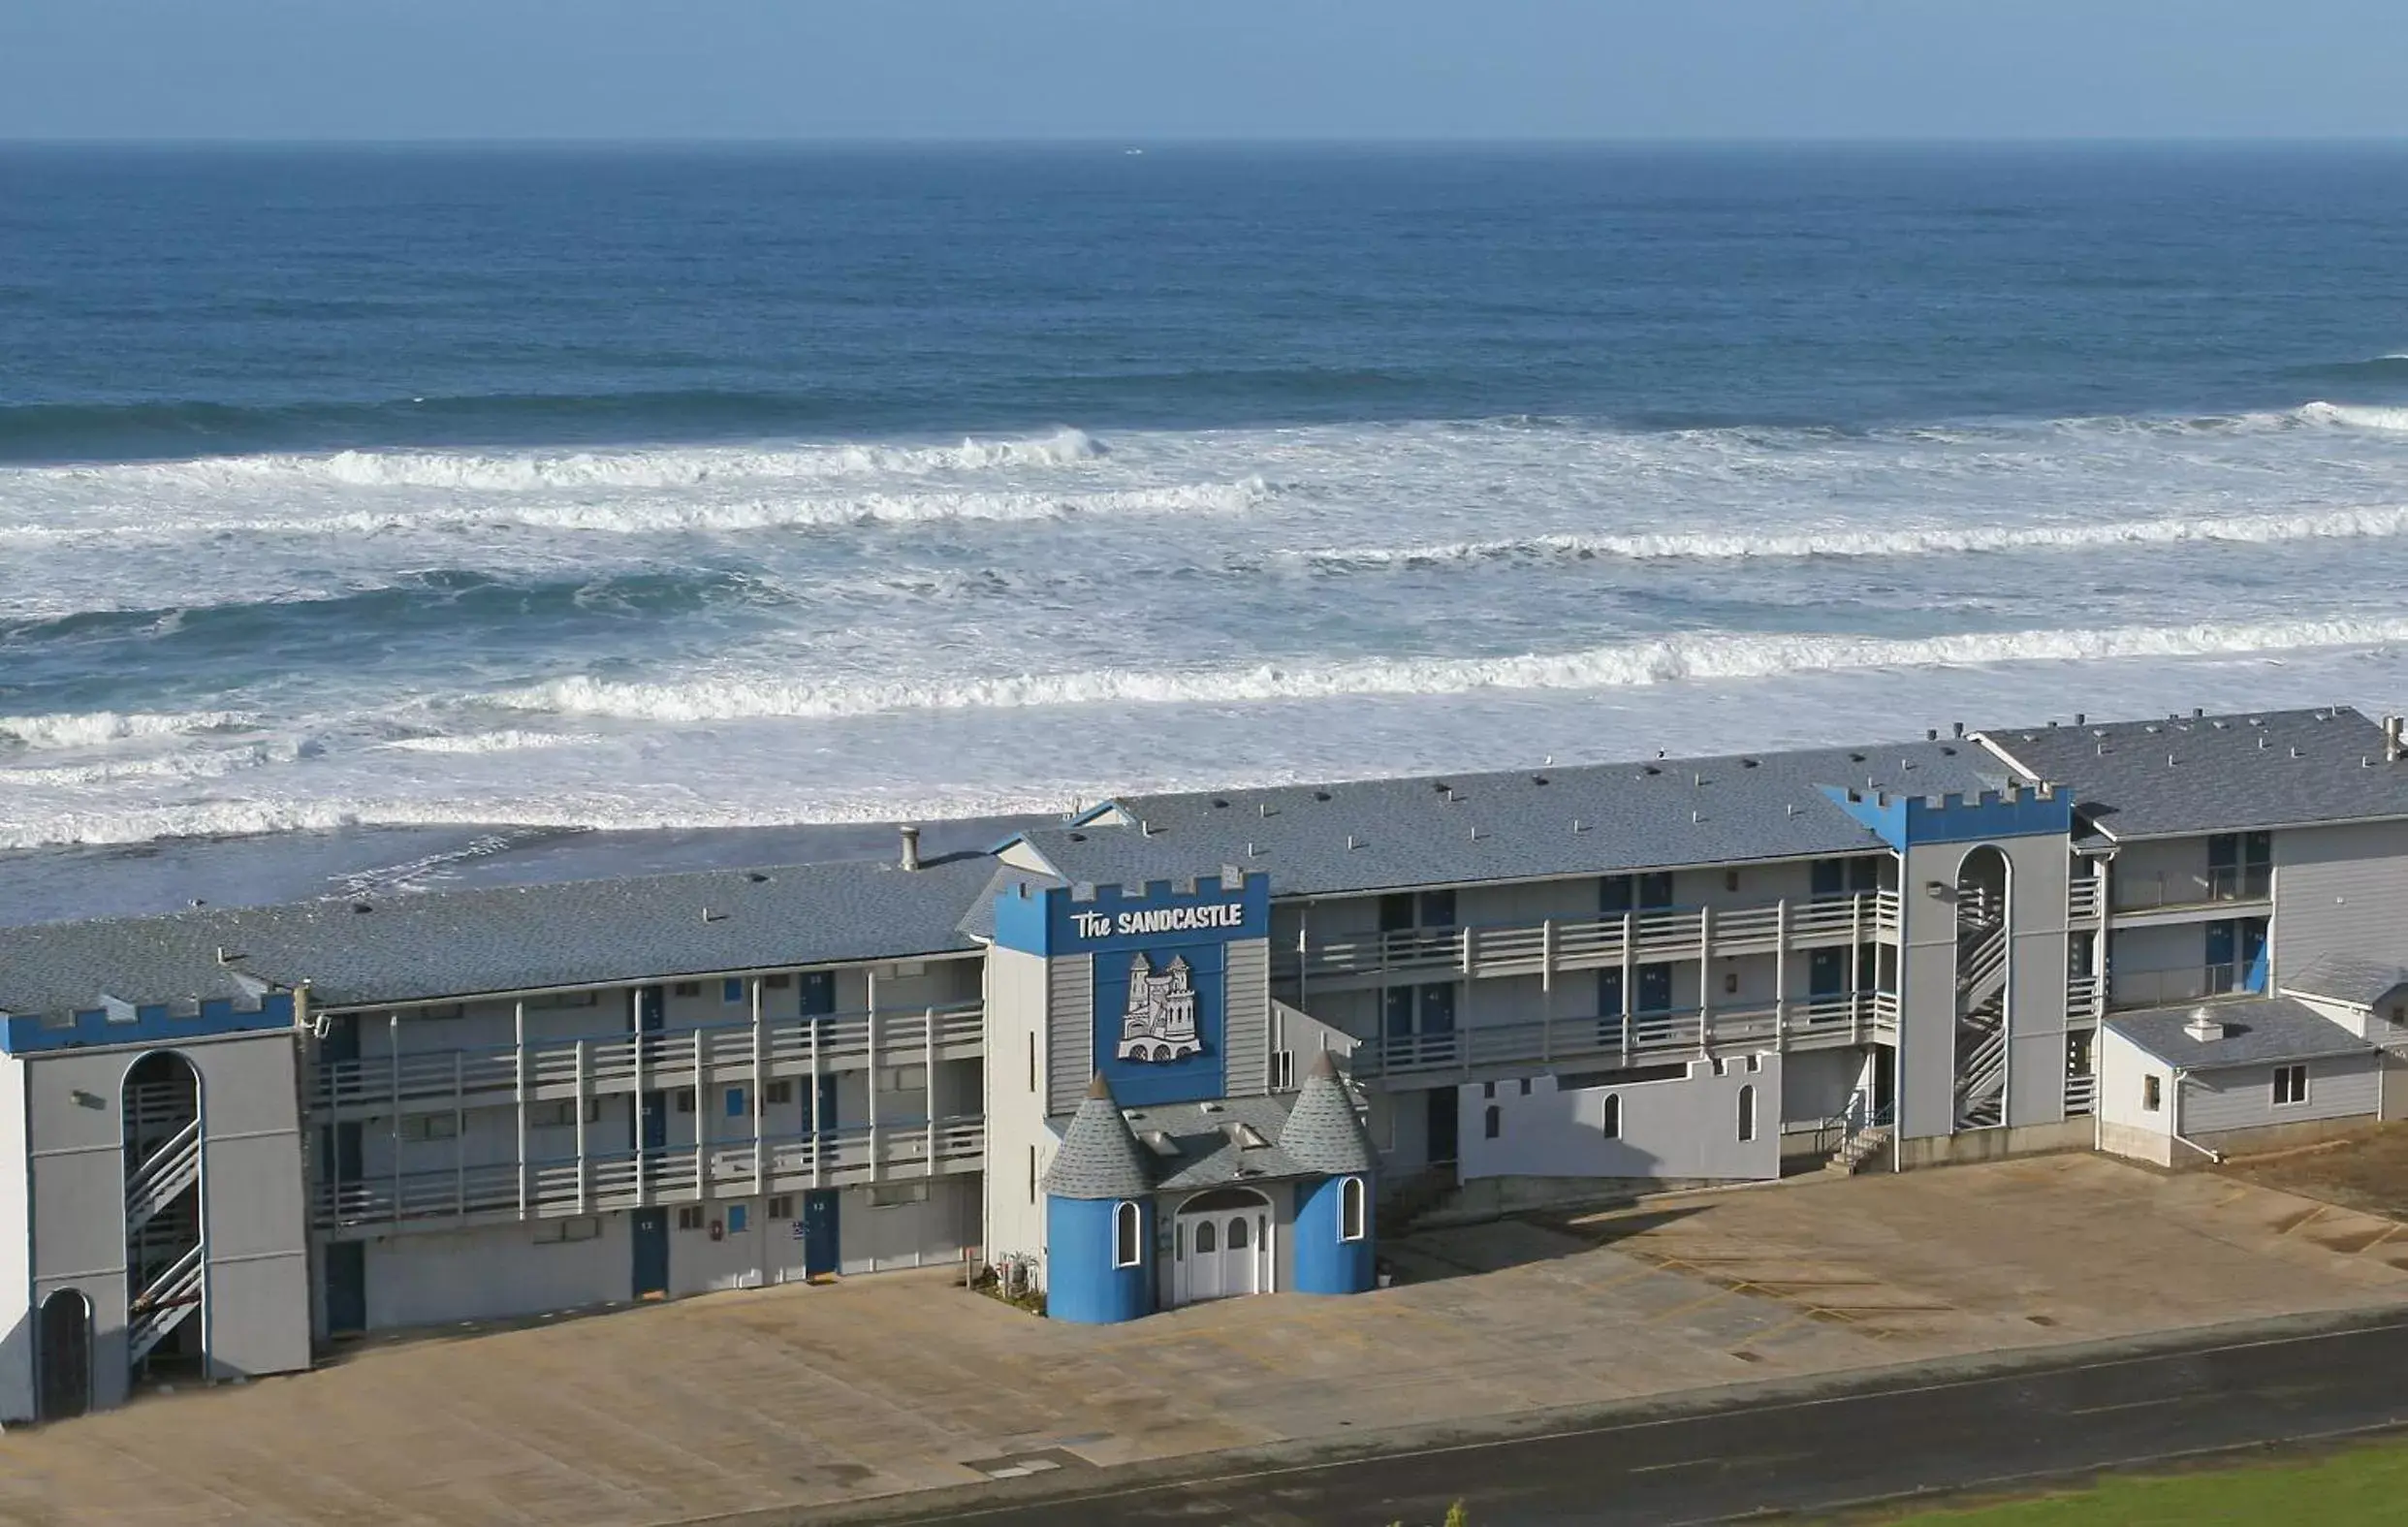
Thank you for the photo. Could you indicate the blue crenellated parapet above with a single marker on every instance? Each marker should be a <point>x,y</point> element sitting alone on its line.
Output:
<point>1091,919</point>
<point>2014,812</point>
<point>145,1023</point>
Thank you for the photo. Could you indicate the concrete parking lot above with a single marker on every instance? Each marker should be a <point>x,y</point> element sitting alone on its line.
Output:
<point>794,1397</point>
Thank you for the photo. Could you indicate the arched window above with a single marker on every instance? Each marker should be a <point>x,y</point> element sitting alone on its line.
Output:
<point>1609,1124</point>
<point>1350,1208</point>
<point>1206,1242</point>
<point>1237,1233</point>
<point>1127,1227</point>
<point>1747,1113</point>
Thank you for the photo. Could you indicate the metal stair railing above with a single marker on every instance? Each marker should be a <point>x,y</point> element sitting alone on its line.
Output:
<point>166,1303</point>
<point>170,1170</point>
<point>1984,969</point>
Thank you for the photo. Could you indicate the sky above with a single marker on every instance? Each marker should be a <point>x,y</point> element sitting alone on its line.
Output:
<point>1151,70</point>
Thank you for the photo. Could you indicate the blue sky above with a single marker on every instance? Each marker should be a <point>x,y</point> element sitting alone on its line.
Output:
<point>1213,69</point>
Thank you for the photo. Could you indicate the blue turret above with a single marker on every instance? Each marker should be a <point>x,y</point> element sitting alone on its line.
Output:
<point>1098,1218</point>
<point>1333,1237</point>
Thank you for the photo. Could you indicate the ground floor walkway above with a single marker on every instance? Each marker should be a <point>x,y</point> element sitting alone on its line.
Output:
<point>792,1397</point>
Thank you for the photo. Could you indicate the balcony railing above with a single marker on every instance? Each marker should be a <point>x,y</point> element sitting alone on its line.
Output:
<point>1850,1018</point>
<point>2213,886</point>
<point>2131,989</point>
<point>2082,899</point>
<point>667,1058</point>
<point>2080,1096</point>
<point>1577,943</point>
<point>2084,997</point>
<point>567,1185</point>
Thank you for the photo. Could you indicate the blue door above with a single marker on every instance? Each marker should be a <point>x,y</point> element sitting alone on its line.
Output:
<point>820,1233</point>
<point>346,1288</point>
<point>1826,972</point>
<point>824,1107</point>
<point>652,1253</point>
<point>1655,989</point>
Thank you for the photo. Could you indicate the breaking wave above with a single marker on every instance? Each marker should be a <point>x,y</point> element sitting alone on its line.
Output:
<point>1934,540</point>
<point>91,729</point>
<point>2357,416</point>
<point>502,742</point>
<point>671,517</point>
<point>529,471</point>
<point>1666,660</point>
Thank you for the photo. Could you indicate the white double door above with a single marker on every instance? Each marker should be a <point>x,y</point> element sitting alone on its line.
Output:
<point>1222,1247</point>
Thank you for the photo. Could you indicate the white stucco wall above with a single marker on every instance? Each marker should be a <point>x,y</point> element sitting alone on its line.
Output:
<point>496,1273</point>
<point>1685,1128</point>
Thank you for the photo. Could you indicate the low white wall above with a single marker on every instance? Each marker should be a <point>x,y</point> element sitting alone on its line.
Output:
<point>494,1274</point>
<point>1686,1128</point>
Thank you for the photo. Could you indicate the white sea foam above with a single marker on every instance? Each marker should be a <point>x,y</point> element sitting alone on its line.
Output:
<point>1671,659</point>
<point>214,763</point>
<point>91,729</point>
<point>666,467</point>
<point>671,515</point>
<point>2354,416</point>
<point>506,740</point>
<point>1841,541</point>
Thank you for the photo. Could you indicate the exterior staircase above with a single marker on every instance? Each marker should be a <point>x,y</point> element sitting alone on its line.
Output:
<point>1859,1151</point>
<point>172,1168</point>
<point>164,1303</point>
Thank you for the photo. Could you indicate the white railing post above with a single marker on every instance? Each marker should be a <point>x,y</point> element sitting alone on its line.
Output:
<point>584,1158</point>
<point>519,1076</point>
<point>703,1115</point>
<point>1780,974</point>
<point>760,1096</point>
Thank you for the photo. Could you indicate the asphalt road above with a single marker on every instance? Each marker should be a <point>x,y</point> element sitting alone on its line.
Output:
<point>1832,1449</point>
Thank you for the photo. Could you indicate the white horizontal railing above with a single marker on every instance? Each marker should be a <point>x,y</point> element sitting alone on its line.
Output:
<point>2082,899</point>
<point>567,1185</point>
<point>661,1057</point>
<point>2080,1096</point>
<point>1570,943</point>
<point>2085,997</point>
<point>163,1304</point>
<point>1847,1018</point>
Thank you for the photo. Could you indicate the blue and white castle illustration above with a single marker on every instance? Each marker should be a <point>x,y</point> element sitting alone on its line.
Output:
<point>1160,1024</point>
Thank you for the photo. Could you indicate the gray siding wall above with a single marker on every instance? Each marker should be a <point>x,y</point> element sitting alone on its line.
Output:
<point>1246,1018</point>
<point>2340,890</point>
<point>1070,1030</point>
<point>2341,1087</point>
<point>16,1302</point>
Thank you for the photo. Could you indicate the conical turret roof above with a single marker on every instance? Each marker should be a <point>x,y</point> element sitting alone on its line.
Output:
<point>1323,1131</point>
<point>1099,1157</point>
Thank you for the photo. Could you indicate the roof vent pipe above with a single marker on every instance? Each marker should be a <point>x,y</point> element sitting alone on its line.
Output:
<point>2081,718</point>
<point>2204,1026</point>
<point>1958,727</point>
<point>2392,746</point>
<point>910,847</point>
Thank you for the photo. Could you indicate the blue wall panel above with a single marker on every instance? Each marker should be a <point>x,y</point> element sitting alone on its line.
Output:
<point>1325,1262</point>
<point>1081,1284</point>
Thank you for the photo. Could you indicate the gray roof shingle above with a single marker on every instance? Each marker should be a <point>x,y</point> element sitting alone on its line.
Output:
<point>2256,1032</point>
<point>1099,1158</point>
<point>2210,774</point>
<point>465,943</point>
<point>1323,1131</point>
<point>2348,978</point>
<point>1445,830</point>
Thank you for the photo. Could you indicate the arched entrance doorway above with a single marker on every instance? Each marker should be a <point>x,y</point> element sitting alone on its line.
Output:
<point>165,1276</point>
<point>64,1356</point>
<point>1221,1246</point>
<point>1985,933</point>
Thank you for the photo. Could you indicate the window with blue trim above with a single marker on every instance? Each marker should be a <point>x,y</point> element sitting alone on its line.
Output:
<point>732,990</point>
<point>735,1102</point>
<point>1127,1239</point>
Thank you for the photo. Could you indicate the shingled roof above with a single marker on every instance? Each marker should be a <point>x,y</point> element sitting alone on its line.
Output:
<point>2211,774</point>
<point>1370,835</point>
<point>1099,1157</point>
<point>1323,1131</point>
<point>465,943</point>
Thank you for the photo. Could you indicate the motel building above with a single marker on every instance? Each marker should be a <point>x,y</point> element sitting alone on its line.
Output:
<point>1187,1047</point>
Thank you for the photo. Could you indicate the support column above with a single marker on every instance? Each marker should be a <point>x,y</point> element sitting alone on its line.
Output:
<point>760,1095</point>
<point>1781,974</point>
<point>819,1125</point>
<point>870,987</point>
<point>1705,979</point>
<point>584,1157</point>
<point>518,1056</point>
<point>703,1116</point>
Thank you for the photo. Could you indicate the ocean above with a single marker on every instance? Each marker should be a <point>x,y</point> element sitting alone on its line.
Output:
<point>691,489</point>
